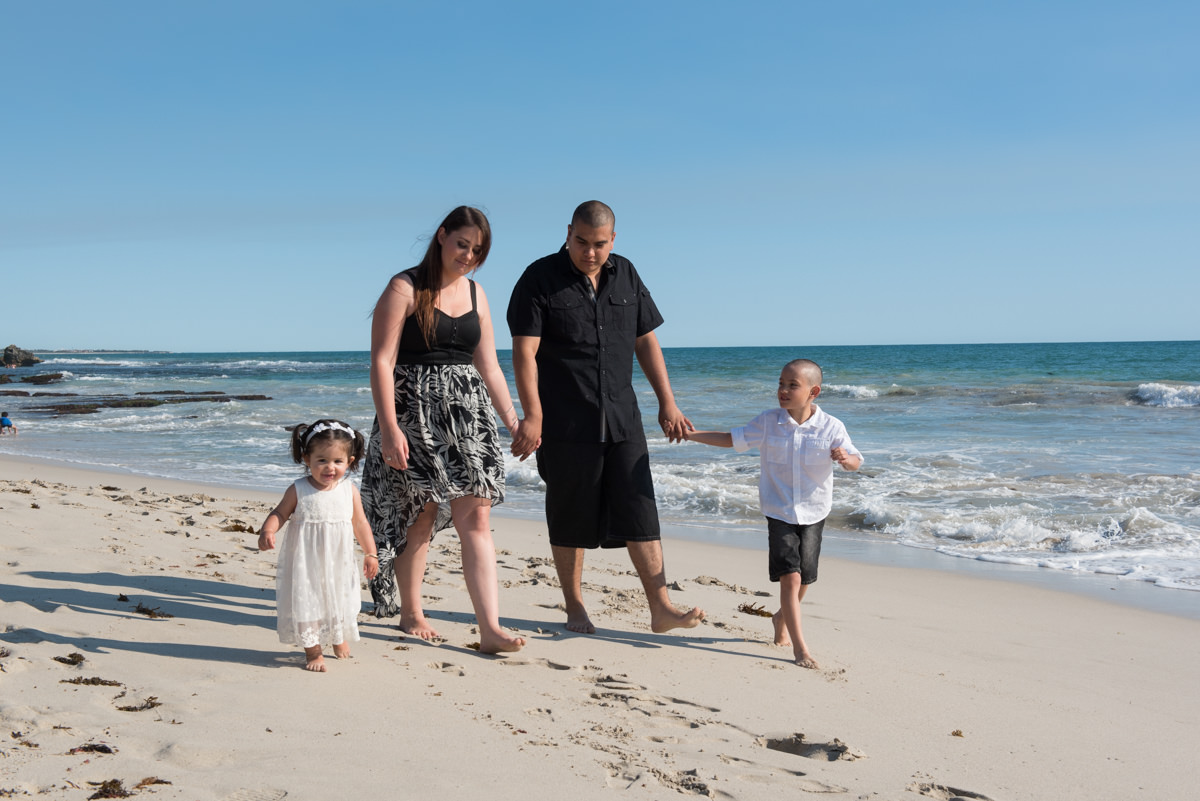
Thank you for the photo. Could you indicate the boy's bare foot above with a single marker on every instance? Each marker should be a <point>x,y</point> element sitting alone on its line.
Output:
<point>672,618</point>
<point>313,660</point>
<point>416,625</point>
<point>579,622</point>
<point>342,650</point>
<point>806,661</point>
<point>502,644</point>
<point>781,632</point>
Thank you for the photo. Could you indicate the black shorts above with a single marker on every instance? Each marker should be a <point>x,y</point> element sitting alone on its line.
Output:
<point>598,494</point>
<point>794,548</point>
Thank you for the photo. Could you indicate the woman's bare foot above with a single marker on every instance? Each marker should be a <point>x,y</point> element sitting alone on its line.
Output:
<point>342,650</point>
<point>578,621</point>
<point>781,632</point>
<point>671,618</point>
<point>805,660</point>
<point>313,660</point>
<point>500,643</point>
<point>416,625</point>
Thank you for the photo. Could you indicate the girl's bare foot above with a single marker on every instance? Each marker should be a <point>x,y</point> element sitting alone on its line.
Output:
<point>500,644</point>
<point>781,632</point>
<point>672,618</point>
<point>416,625</point>
<point>313,660</point>
<point>342,650</point>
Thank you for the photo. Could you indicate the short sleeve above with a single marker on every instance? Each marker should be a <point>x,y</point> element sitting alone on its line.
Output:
<point>524,311</point>
<point>649,317</point>
<point>750,435</point>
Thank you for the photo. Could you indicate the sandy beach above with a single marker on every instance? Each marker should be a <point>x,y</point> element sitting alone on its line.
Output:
<point>137,645</point>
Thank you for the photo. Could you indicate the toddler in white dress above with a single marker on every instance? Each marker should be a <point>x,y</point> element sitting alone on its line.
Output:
<point>317,591</point>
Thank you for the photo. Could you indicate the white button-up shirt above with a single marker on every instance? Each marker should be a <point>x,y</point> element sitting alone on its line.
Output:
<point>795,482</point>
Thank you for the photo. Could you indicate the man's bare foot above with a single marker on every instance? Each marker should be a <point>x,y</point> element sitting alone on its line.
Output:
<point>501,644</point>
<point>805,660</point>
<point>672,618</point>
<point>313,660</point>
<point>342,650</point>
<point>416,625</point>
<point>579,622</point>
<point>781,632</point>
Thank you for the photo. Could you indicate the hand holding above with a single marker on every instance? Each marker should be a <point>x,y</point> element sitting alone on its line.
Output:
<point>527,437</point>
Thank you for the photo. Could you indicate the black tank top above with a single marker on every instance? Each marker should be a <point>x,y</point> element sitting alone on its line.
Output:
<point>454,341</point>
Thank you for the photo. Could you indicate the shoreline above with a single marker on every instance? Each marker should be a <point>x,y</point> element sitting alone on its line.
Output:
<point>837,545</point>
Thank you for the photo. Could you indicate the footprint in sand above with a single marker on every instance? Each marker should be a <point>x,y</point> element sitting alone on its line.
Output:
<point>816,748</point>
<point>448,667</point>
<point>256,795</point>
<point>943,793</point>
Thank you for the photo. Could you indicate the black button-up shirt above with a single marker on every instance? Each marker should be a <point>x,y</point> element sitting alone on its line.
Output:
<point>585,357</point>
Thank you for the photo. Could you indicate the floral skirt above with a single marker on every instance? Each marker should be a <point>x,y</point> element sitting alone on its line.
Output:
<point>453,452</point>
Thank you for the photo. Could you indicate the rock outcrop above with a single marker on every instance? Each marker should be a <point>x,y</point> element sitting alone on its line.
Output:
<point>19,357</point>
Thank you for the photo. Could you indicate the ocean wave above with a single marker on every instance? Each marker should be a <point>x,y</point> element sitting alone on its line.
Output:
<point>851,390</point>
<point>106,362</point>
<point>1166,396</point>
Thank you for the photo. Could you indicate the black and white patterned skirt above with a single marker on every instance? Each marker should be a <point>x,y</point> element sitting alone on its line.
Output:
<point>453,452</point>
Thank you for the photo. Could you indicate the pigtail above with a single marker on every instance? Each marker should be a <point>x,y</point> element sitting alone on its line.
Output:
<point>298,442</point>
<point>358,450</point>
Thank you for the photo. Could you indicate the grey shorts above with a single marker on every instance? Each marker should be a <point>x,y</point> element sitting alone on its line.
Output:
<point>794,548</point>
<point>598,494</point>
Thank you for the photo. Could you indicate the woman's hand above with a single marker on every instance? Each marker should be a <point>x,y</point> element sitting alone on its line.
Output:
<point>394,450</point>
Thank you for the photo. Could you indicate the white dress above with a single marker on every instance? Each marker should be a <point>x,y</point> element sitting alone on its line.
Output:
<point>317,591</point>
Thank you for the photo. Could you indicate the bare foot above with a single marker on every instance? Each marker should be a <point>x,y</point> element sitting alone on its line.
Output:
<point>502,644</point>
<point>579,622</point>
<point>672,618</point>
<point>781,632</point>
<point>805,660</point>
<point>313,660</point>
<point>342,650</point>
<point>416,625</point>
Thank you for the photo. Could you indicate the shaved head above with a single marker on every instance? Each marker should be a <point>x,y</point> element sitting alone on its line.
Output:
<point>594,214</point>
<point>809,369</point>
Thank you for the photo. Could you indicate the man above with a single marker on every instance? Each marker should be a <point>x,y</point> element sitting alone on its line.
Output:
<point>578,318</point>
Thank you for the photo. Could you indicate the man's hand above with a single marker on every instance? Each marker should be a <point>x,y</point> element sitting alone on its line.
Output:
<point>527,438</point>
<point>674,423</point>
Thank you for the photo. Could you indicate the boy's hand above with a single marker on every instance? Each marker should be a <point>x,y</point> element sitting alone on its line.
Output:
<point>847,460</point>
<point>266,541</point>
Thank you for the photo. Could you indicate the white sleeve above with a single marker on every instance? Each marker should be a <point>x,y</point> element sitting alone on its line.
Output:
<point>750,435</point>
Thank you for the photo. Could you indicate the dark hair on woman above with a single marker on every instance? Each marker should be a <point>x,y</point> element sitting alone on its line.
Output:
<point>427,278</point>
<point>305,437</point>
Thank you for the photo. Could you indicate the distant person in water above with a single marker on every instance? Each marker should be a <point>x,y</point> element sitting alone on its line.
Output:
<point>6,425</point>
<point>434,456</point>
<point>578,318</point>
<point>798,444</point>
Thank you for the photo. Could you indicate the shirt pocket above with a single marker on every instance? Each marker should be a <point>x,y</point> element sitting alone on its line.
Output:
<point>565,314</point>
<point>622,312</point>
<point>777,450</point>
<point>816,450</point>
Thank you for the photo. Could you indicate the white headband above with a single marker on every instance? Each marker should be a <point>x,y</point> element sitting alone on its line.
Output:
<point>334,426</point>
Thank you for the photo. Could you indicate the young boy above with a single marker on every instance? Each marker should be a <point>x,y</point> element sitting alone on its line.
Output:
<point>6,425</point>
<point>798,444</point>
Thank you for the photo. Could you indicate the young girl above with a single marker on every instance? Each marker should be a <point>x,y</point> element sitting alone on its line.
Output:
<point>316,582</point>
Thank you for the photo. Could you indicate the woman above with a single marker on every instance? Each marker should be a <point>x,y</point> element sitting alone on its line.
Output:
<point>434,457</point>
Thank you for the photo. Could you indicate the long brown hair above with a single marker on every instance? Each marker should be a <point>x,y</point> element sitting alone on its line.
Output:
<point>427,278</point>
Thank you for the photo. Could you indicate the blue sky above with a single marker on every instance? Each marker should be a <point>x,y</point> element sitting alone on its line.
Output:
<point>240,176</point>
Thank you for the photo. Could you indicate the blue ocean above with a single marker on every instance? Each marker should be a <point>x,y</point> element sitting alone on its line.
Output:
<point>1068,457</point>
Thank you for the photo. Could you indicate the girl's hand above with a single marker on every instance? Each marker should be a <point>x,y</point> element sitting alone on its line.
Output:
<point>371,566</point>
<point>394,450</point>
<point>266,541</point>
